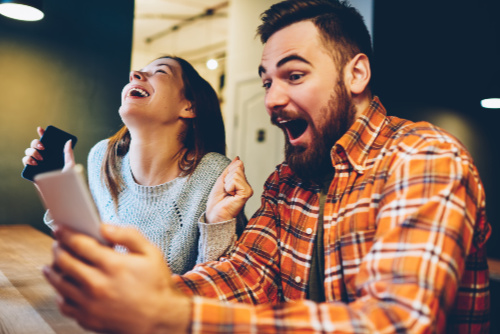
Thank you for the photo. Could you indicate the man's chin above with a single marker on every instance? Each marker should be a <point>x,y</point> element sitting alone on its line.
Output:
<point>308,163</point>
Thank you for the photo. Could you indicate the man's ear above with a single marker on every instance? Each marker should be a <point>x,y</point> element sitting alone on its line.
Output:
<point>357,74</point>
<point>187,112</point>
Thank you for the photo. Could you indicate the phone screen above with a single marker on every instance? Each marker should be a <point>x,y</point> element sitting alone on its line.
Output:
<point>53,140</point>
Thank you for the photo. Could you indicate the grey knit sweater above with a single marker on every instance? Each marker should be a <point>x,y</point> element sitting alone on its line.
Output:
<point>167,214</point>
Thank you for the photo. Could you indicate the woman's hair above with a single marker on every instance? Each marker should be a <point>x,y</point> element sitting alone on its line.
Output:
<point>341,27</point>
<point>204,133</point>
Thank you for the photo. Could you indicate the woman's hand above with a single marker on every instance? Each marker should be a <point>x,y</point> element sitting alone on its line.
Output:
<point>33,155</point>
<point>229,194</point>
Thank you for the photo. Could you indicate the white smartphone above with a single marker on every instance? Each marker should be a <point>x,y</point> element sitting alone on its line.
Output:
<point>67,197</point>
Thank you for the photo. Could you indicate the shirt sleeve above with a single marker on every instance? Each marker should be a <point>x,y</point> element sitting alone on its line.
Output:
<point>407,281</point>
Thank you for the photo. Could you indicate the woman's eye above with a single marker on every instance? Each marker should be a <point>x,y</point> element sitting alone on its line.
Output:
<point>161,71</point>
<point>266,85</point>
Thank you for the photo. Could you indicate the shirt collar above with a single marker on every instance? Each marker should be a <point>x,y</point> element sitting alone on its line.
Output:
<point>356,143</point>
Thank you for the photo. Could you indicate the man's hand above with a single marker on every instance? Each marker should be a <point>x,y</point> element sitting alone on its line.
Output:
<point>229,194</point>
<point>107,291</point>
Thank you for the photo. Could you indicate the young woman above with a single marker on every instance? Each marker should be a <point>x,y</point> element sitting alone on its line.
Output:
<point>157,171</point>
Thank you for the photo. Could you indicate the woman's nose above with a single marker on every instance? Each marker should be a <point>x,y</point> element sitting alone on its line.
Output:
<point>136,75</point>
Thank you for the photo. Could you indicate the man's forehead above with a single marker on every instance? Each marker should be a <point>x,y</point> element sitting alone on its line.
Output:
<point>294,42</point>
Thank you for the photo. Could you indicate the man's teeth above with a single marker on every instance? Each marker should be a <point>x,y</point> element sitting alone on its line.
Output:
<point>137,92</point>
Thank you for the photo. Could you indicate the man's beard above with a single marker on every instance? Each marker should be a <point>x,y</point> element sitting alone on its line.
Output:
<point>314,162</point>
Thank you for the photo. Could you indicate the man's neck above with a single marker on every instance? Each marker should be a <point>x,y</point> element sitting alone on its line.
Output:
<point>361,102</point>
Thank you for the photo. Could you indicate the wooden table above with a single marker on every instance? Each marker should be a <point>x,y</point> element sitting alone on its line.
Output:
<point>27,301</point>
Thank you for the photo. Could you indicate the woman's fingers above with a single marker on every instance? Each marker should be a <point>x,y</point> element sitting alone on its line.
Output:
<point>235,181</point>
<point>28,160</point>
<point>32,154</point>
<point>69,157</point>
<point>40,131</point>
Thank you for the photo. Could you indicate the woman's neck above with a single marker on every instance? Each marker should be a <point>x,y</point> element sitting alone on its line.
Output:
<point>154,159</point>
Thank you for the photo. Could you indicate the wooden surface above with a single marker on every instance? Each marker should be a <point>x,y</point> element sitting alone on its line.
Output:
<point>27,301</point>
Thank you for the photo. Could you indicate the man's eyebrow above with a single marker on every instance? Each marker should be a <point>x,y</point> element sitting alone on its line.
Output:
<point>285,60</point>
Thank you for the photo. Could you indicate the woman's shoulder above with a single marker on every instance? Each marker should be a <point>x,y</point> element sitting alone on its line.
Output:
<point>213,160</point>
<point>96,157</point>
<point>98,150</point>
<point>211,165</point>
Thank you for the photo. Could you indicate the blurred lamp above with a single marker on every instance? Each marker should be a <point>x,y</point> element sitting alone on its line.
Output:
<point>491,98</point>
<point>492,103</point>
<point>212,64</point>
<point>25,10</point>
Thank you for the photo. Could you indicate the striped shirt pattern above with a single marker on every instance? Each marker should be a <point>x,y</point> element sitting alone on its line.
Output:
<point>404,234</point>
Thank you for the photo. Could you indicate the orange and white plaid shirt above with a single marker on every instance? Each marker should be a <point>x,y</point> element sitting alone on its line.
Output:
<point>404,235</point>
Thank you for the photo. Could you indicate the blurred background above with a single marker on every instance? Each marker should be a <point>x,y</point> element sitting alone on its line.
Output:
<point>434,60</point>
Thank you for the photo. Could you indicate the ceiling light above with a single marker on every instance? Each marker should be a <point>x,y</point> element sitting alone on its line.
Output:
<point>25,10</point>
<point>212,64</point>
<point>492,103</point>
<point>491,97</point>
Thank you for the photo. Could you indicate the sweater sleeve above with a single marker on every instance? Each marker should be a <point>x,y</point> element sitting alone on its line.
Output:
<point>215,239</point>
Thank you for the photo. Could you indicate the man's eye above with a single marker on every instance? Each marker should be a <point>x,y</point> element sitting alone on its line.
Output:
<point>294,77</point>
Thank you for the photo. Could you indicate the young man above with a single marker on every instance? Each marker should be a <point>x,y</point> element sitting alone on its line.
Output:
<point>373,224</point>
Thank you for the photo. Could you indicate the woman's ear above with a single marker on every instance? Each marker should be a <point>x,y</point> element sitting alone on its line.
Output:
<point>187,112</point>
<point>358,74</point>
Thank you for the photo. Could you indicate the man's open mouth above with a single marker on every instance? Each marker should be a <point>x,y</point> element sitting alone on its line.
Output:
<point>137,92</point>
<point>294,127</point>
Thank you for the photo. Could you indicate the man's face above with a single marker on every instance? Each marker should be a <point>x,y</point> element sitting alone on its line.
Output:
<point>305,97</point>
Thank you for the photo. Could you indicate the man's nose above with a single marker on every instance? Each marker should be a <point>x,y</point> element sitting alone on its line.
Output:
<point>276,97</point>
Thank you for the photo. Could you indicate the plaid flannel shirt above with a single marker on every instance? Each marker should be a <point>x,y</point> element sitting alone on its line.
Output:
<point>404,235</point>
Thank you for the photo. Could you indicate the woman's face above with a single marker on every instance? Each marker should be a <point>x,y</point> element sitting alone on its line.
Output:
<point>154,94</point>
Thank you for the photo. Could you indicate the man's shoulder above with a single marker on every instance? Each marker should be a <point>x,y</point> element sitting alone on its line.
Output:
<point>422,133</point>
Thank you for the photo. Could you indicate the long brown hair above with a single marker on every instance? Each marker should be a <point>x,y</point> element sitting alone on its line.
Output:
<point>204,133</point>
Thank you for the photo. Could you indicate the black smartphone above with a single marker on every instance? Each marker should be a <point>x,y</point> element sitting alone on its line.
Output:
<point>53,139</point>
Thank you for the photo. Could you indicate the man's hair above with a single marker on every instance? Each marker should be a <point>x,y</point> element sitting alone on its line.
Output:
<point>341,26</point>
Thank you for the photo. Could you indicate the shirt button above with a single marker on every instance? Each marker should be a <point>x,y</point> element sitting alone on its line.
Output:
<point>309,230</point>
<point>298,279</point>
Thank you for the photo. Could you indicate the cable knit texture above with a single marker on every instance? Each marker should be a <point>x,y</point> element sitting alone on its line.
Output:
<point>167,214</point>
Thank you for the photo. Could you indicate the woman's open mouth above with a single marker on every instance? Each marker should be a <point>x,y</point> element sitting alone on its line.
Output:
<point>137,92</point>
